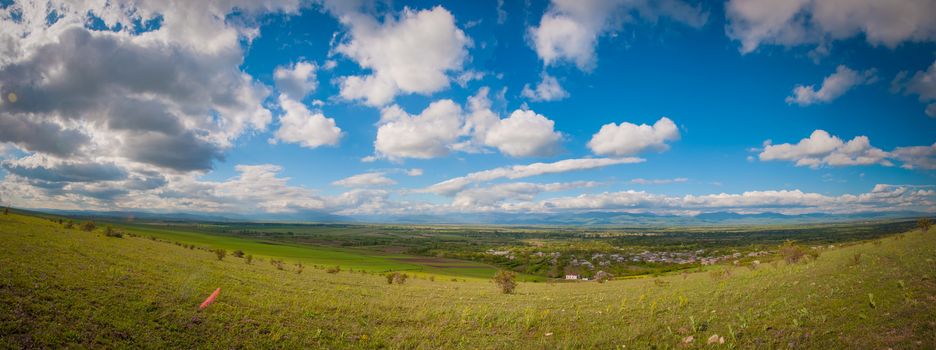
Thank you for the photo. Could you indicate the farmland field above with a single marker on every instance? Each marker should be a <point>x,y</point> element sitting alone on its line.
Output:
<point>68,287</point>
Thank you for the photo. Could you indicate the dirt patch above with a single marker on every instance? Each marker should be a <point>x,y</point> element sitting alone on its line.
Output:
<point>458,266</point>
<point>441,263</point>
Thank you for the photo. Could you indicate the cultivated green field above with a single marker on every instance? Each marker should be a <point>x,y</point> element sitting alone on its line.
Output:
<point>69,288</point>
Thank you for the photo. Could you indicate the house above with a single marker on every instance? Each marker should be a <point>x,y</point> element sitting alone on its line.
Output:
<point>571,277</point>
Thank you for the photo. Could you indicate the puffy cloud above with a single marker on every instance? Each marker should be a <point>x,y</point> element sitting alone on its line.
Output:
<point>569,30</point>
<point>916,157</point>
<point>833,86</point>
<point>523,134</point>
<point>409,53</point>
<point>297,80</point>
<point>641,181</point>
<point>627,139</point>
<point>547,90</point>
<point>798,22</point>
<point>454,185</point>
<point>299,125</point>
<point>821,148</point>
<point>443,127</point>
<point>923,83</point>
<point>168,95</point>
<point>365,180</point>
<point>427,135</point>
<point>414,172</point>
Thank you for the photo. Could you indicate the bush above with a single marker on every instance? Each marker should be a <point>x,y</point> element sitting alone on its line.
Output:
<point>69,225</point>
<point>924,224</point>
<point>793,252</point>
<point>335,269</point>
<point>88,226</point>
<point>720,274</point>
<point>299,268</point>
<point>220,253</point>
<point>506,281</point>
<point>6,211</point>
<point>238,253</point>
<point>111,232</point>
<point>602,277</point>
<point>278,264</point>
<point>249,259</point>
<point>396,277</point>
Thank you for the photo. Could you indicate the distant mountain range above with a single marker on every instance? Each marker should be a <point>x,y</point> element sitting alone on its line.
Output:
<point>557,219</point>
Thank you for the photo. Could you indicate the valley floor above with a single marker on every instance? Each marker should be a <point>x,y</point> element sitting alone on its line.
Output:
<point>69,288</point>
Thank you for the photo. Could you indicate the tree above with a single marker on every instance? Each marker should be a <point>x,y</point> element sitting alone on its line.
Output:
<point>220,253</point>
<point>924,224</point>
<point>6,211</point>
<point>506,281</point>
<point>602,276</point>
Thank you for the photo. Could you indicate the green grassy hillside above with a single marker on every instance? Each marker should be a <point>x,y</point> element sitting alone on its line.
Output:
<point>70,288</point>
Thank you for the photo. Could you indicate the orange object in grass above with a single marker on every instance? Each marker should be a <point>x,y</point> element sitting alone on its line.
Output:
<point>210,299</point>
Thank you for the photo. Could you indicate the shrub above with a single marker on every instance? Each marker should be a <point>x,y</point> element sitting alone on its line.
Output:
<point>238,253</point>
<point>602,277</point>
<point>299,268</point>
<point>396,277</point>
<point>220,253</point>
<point>506,281</point>
<point>793,252</point>
<point>88,226</point>
<point>69,225</point>
<point>720,274</point>
<point>6,211</point>
<point>278,264</point>
<point>249,259</point>
<point>335,269</point>
<point>111,232</point>
<point>924,224</point>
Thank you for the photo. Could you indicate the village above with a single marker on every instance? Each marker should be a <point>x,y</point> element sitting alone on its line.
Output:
<point>578,267</point>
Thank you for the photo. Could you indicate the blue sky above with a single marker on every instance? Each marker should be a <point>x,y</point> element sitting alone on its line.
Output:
<point>698,102</point>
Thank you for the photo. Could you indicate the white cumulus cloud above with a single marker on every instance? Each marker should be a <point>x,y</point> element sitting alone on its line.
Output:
<point>833,86</point>
<point>410,53</point>
<point>821,148</point>
<point>570,29</point>
<point>296,80</point>
<point>627,138</point>
<point>923,84</point>
<point>547,90</point>
<point>801,22</point>
<point>301,126</point>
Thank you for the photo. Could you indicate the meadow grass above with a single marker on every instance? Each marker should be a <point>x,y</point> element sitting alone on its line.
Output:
<point>70,288</point>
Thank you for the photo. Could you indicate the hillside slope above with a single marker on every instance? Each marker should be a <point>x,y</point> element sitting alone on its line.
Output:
<point>65,287</point>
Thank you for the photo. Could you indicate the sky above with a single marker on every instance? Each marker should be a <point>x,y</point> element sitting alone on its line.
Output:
<point>424,107</point>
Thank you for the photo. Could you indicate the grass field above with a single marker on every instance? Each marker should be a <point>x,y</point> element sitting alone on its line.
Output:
<point>346,258</point>
<point>69,288</point>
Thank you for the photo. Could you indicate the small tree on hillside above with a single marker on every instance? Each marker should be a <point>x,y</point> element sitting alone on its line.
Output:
<point>506,281</point>
<point>924,224</point>
<point>220,253</point>
<point>602,277</point>
<point>88,226</point>
<point>6,211</point>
